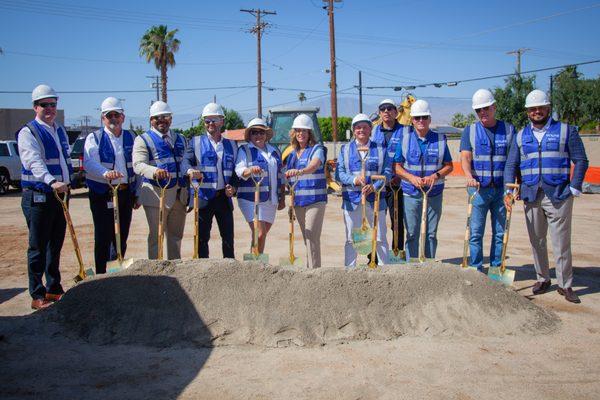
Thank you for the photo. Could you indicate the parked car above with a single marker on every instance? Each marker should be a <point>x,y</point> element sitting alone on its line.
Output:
<point>10,166</point>
<point>78,178</point>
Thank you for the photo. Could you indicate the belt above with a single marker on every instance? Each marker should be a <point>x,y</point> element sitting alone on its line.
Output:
<point>124,186</point>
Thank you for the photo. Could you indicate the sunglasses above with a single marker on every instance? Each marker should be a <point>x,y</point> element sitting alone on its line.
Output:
<point>46,105</point>
<point>161,117</point>
<point>421,118</point>
<point>112,115</point>
<point>256,133</point>
<point>211,120</point>
<point>478,110</point>
<point>387,108</point>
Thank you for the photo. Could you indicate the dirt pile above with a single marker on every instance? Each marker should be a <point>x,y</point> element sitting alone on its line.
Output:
<point>224,302</point>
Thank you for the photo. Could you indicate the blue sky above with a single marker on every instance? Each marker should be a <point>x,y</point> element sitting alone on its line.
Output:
<point>91,46</point>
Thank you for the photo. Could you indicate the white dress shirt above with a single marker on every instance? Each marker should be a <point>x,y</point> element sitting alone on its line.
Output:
<point>218,147</point>
<point>30,152</point>
<point>91,161</point>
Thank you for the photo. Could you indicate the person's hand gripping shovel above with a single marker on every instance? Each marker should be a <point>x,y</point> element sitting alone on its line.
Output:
<point>64,202</point>
<point>471,198</point>
<point>291,259</point>
<point>374,178</point>
<point>397,255</point>
<point>361,235</point>
<point>161,215</point>
<point>119,263</point>
<point>501,274</point>
<point>254,255</point>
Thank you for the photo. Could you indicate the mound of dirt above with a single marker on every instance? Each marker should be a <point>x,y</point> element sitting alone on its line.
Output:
<point>224,302</point>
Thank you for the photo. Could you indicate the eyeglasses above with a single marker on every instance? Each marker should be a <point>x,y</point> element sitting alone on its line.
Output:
<point>112,115</point>
<point>256,133</point>
<point>46,105</point>
<point>478,110</point>
<point>161,117</point>
<point>387,108</point>
<point>421,118</point>
<point>211,120</point>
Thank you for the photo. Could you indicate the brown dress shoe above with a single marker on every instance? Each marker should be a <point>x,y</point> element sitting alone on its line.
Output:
<point>569,295</point>
<point>54,297</point>
<point>540,287</point>
<point>38,304</point>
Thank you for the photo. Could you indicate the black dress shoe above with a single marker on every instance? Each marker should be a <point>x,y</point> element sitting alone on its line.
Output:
<point>569,295</point>
<point>540,287</point>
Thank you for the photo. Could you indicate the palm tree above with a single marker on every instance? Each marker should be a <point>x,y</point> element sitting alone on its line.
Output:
<point>160,45</point>
<point>302,97</point>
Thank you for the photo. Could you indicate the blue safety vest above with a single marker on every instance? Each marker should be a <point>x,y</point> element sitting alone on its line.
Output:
<point>311,188</point>
<point>489,161</point>
<point>162,156</point>
<point>423,165</point>
<point>378,136</point>
<point>106,152</point>
<point>50,155</point>
<point>255,158</point>
<point>207,158</point>
<point>548,159</point>
<point>373,166</point>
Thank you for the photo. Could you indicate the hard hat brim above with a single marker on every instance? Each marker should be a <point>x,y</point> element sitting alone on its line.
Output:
<point>421,114</point>
<point>487,104</point>
<point>48,96</point>
<point>541,104</point>
<point>156,114</point>
<point>119,110</point>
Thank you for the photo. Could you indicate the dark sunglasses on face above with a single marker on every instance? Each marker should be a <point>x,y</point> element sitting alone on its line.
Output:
<point>478,110</point>
<point>421,118</point>
<point>256,133</point>
<point>46,105</point>
<point>211,120</point>
<point>161,117</point>
<point>387,108</point>
<point>112,115</point>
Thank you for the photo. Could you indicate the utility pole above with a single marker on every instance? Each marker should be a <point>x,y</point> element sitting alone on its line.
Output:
<point>155,84</point>
<point>258,30</point>
<point>214,98</point>
<point>360,110</point>
<point>332,84</point>
<point>518,53</point>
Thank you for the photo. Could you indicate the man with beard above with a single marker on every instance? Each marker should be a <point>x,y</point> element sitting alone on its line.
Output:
<point>543,152</point>
<point>157,156</point>
<point>108,158</point>
<point>46,168</point>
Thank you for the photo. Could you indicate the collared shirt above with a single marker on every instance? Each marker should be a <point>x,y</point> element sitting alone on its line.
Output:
<point>218,147</point>
<point>539,133</point>
<point>30,153</point>
<point>242,164</point>
<point>92,163</point>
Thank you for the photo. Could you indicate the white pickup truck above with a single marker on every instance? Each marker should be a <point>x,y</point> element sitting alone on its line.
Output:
<point>10,166</point>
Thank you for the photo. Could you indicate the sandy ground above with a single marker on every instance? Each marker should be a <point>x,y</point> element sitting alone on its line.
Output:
<point>563,364</point>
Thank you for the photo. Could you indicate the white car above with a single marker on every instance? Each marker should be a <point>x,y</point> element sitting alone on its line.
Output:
<point>10,166</point>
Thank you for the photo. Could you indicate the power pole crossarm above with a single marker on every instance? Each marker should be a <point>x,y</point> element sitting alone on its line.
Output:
<point>518,53</point>
<point>333,84</point>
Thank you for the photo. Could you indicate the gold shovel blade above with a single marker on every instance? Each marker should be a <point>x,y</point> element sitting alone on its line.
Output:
<point>116,265</point>
<point>290,262</point>
<point>257,257</point>
<point>507,278</point>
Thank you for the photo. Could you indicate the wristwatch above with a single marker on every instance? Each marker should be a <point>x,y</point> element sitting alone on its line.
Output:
<point>438,175</point>
<point>52,182</point>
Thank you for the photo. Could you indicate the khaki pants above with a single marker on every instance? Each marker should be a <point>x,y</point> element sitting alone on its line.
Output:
<point>541,214</point>
<point>174,224</point>
<point>310,219</point>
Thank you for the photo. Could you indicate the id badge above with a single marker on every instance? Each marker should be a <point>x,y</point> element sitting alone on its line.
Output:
<point>110,205</point>
<point>39,197</point>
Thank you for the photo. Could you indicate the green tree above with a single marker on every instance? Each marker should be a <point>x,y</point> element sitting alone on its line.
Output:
<point>326,131</point>
<point>138,130</point>
<point>569,96</point>
<point>459,120</point>
<point>510,100</point>
<point>160,45</point>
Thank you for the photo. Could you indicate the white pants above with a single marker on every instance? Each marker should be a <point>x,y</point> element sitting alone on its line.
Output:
<point>353,219</point>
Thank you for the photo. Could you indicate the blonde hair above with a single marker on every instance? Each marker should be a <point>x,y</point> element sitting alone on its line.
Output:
<point>294,142</point>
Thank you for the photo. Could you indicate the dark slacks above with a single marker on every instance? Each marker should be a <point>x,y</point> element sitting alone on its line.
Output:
<point>221,208</point>
<point>47,225</point>
<point>104,226</point>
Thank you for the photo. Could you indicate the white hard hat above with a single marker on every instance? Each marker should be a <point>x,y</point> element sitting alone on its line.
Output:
<point>536,98</point>
<point>160,108</point>
<point>361,118</point>
<point>43,92</point>
<point>420,108</point>
<point>387,101</point>
<point>212,109</point>
<point>257,122</point>
<point>303,121</point>
<point>111,104</point>
<point>483,98</point>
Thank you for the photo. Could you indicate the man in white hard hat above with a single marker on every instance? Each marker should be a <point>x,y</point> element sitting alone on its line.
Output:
<point>390,132</point>
<point>158,156</point>
<point>214,157</point>
<point>422,161</point>
<point>107,158</point>
<point>349,173</point>
<point>484,147</point>
<point>543,152</point>
<point>46,168</point>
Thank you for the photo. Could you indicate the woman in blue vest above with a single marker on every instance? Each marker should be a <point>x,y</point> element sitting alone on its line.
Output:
<point>258,158</point>
<point>107,156</point>
<point>307,164</point>
<point>354,185</point>
<point>422,161</point>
